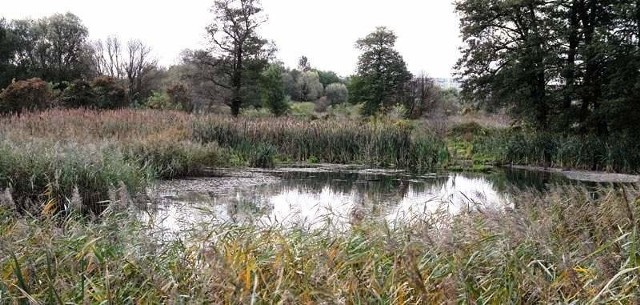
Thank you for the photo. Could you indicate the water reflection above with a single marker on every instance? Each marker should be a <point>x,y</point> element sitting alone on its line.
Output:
<point>313,199</point>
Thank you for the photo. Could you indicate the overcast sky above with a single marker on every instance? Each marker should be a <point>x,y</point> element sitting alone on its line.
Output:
<point>323,30</point>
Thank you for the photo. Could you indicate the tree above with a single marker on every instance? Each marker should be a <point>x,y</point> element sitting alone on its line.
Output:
<point>240,54</point>
<point>132,64</point>
<point>273,91</point>
<point>566,65</point>
<point>337,93</point>
<point>138,66</point>
<point>422,96</point>
<point>506,57</point>
<point>309,86</point>
<point>7,52</point>
<point>304,64</point>
<point>382,72</point>
<point>53,48</point>
<point>328,77</point>
<point>108,58</point>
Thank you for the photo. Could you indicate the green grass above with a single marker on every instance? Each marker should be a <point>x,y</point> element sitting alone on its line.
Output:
<point>560,247</point>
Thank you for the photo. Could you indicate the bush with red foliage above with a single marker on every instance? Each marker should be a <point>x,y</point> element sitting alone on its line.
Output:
<point>25,95</point>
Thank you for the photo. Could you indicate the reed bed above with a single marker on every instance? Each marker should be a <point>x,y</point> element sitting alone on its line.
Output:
<point>331,141</point>
<point>568,246</point>
<point>45,156</point>
<point>613,154</point>
<point>51,153</point>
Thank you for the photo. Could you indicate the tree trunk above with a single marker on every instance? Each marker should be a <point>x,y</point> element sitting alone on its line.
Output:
<point>236,85</point>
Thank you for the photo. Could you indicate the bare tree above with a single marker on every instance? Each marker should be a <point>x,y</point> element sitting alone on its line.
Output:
<point>108,58</point>
<point>138,65</point>
<point>132,64</point>
<point>422,96</point>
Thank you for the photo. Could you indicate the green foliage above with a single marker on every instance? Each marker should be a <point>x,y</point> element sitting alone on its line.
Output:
<point>375,144</point>
<point>7,50</point>
<point>40,171</point>
<point>382,72</point>
<point>45,156</point>
<point>586,152</point>
<point>109,94</point>
<point>53,48</point>
<point>309,86</point>
<point>328,77</point>
<point>337,93</point>
<point>240,54</point>
<point>566,66</point>
<point>161,101</point>
<point>25,95</point>
<point>273,95</point>
<point>78,95</point>
<point>263,156</point>
<point>180,95</point>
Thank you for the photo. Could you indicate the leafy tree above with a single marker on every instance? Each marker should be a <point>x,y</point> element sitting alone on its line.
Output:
<point>337,93</point>
<point>506,57</point>
<point>240,54</point>
<point>273,94</point>
<point>568,65</point>
<point>309,86</point>
<point>382,71</point>
<point>328,77</point>
<point>54,48</point>
<point>7,52</point>
<point>290,82</point>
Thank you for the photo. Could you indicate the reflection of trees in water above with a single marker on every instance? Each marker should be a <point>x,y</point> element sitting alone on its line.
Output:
<point>513,180</point>
<point>377,187</point>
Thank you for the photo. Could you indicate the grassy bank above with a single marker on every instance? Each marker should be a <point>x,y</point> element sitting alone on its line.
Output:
<point>616,153</point>
<point>566,246</point>
<point>45,156</point>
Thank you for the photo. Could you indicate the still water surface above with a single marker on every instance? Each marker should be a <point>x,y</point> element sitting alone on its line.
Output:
<point>316,197</point>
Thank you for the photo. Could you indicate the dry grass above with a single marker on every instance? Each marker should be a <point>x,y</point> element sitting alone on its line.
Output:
<point>571,245</point>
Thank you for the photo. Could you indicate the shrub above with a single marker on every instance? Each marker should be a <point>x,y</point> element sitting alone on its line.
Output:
<point>31,94</point>
<point>273,95</point>
<point>337,93</point>
<point>109,94</point>
<point>322,104</point>
<point>79,94</point>
<point>179,95</point>
<point>160,101</point>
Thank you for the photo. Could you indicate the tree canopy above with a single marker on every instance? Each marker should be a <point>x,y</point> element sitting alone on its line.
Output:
<point>382,72</point>
<point>568,65</point>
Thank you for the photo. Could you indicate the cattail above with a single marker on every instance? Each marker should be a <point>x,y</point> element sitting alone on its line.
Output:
<point>6,200</point>
<point>75,205</point>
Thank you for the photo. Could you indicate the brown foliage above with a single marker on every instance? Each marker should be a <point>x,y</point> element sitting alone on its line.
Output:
<point>31,94</point>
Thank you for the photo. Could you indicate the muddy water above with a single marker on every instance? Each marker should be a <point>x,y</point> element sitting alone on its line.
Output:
<point>331,196</point>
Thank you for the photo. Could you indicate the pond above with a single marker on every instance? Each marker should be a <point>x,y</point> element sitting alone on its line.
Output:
<point>334,195</point>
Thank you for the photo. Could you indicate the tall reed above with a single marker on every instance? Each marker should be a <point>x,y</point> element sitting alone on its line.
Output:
<point>568,246</point>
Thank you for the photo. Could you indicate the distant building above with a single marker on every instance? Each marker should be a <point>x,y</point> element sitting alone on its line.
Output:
<point>447,83</point>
